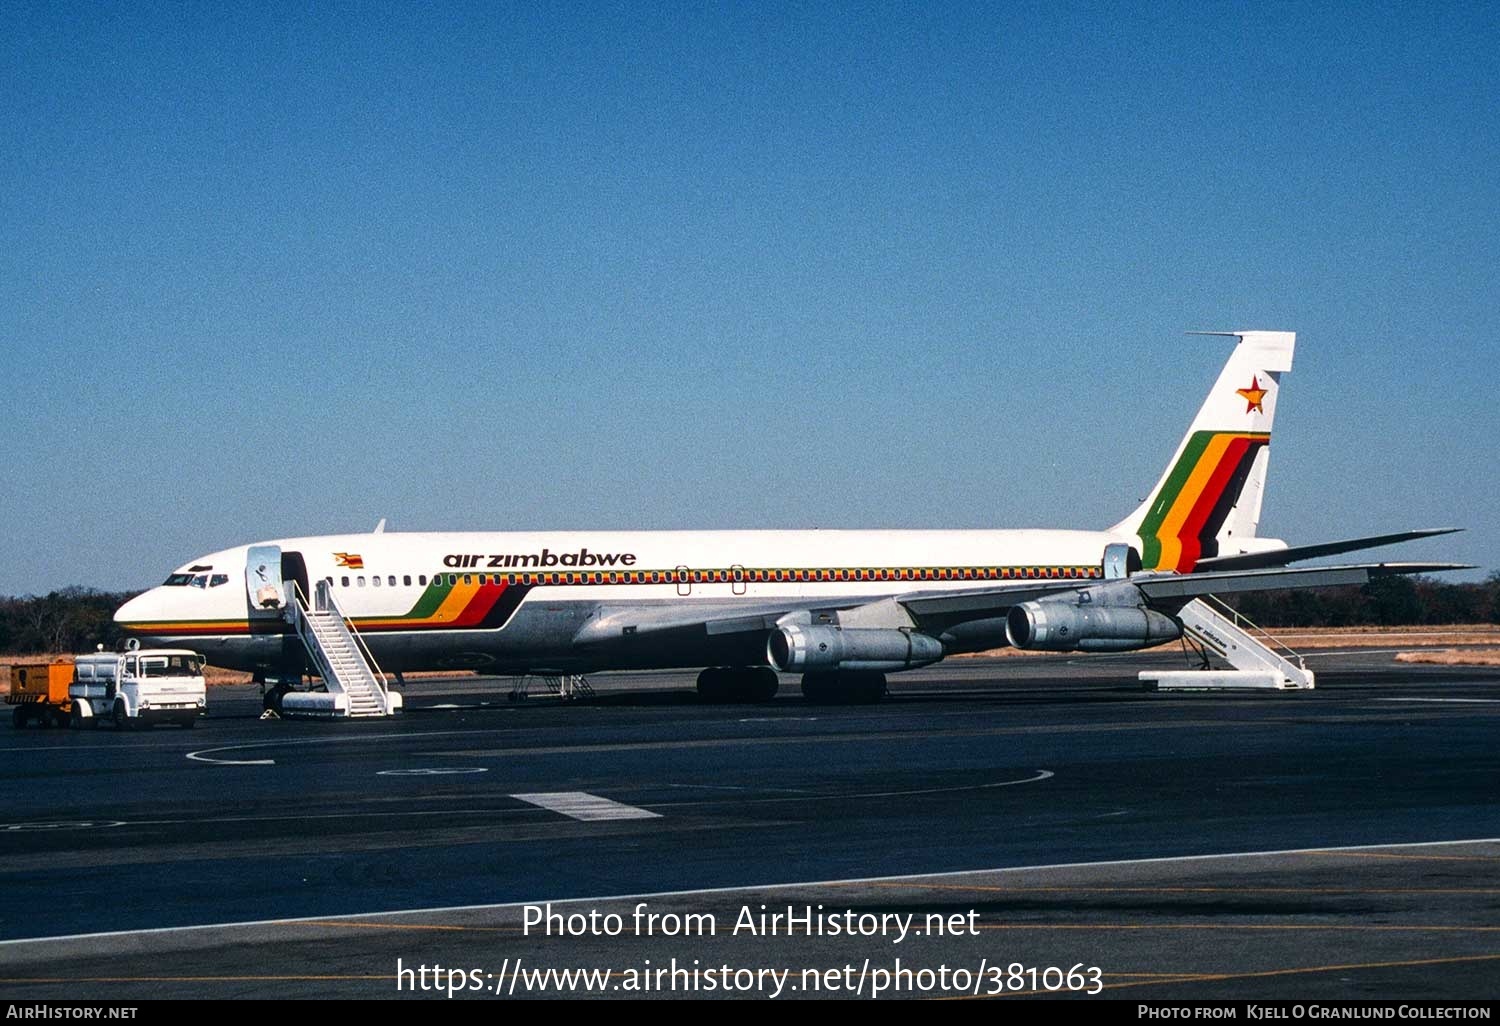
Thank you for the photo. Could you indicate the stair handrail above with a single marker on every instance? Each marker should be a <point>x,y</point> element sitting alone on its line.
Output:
<point>324,592</point>
<point>1244,623</point>
<point>307,634</point>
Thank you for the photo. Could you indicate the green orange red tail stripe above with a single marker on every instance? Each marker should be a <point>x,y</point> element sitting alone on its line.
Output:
<point>1187,512</point>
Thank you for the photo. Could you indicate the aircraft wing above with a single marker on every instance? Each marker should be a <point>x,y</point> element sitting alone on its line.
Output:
<point>637,621</point>
<point>1296,553</point>
<point>936,611</point>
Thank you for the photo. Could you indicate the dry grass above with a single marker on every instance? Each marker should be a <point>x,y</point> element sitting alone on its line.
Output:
<point>1341,637</point>
<point>1453,657</point>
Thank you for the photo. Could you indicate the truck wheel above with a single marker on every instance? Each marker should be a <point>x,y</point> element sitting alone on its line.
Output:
<point>75,718</point>
<point>122,721</point>
<point>18,717</point>
<point>60,718</point>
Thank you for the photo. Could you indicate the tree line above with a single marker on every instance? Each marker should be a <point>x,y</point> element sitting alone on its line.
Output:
<point>77,619</point>
<point>70,620</point>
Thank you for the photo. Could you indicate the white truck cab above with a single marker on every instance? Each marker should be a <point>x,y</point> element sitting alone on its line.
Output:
<point>140,687</point>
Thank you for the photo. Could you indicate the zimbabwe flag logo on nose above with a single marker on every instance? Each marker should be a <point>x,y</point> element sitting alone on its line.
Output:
<point>349,559</point>
<point>1253,396</point>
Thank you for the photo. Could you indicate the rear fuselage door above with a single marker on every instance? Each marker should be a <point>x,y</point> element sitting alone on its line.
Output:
<point>263,584</point>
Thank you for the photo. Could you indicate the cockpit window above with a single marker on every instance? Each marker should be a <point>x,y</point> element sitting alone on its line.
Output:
<point>218,579</point>
<point>199,581</point>
<point>178,580</point>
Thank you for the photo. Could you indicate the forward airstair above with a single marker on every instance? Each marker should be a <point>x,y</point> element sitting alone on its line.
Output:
<point>355,685</point>
<point>1259,661</point>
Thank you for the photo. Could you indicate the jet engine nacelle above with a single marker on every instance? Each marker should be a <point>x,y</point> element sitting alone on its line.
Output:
<point>796,649</point>
<point>1069,627</point>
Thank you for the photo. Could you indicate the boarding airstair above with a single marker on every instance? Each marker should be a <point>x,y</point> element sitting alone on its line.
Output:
<point>1259,660</point>
<point>355,684</point>
<point>567,686</point>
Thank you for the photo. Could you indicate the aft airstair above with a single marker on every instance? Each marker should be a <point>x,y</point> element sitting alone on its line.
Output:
<point>567,686</point>
<point>355,684</point>
<point>1259,660</point>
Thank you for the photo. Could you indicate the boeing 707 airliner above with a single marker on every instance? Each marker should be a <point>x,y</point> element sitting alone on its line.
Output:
<point>842,608</point>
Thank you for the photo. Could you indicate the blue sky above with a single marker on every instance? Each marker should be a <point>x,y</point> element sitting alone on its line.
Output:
<point>270,270</point>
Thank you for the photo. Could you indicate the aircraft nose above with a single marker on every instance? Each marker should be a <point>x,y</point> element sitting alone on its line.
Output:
<point>136,610</point>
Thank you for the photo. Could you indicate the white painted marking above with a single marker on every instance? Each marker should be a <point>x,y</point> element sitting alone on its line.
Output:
<point>739,889</point>
<point>433,772</point>
<point>584,806</point>
<point>202,754</point>
<point>845,796</point>
<point>82,824</point>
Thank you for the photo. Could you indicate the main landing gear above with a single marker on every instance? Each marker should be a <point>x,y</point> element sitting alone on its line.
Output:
<point>721,684</point>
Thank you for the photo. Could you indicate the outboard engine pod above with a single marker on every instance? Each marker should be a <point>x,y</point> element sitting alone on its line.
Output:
<point>1067,627</point>
<point>796,649</point>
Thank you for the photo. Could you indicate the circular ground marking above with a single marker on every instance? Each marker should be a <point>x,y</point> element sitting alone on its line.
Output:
<point>78,824</point>
<point>437,772</point>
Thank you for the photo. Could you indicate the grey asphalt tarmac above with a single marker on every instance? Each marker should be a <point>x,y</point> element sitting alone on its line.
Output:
<point>1011,800</point>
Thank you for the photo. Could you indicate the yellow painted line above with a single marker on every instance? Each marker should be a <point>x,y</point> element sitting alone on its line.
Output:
<point>407,926</point>
<point>190,979</point>
<point>1414,858</point>
<point>897,885</point>
<point>1261,974</point>
<point>1308,970</point>
<point>1261,927</point>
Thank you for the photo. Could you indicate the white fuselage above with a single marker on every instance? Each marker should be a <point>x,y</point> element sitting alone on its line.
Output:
<point>516,601</point>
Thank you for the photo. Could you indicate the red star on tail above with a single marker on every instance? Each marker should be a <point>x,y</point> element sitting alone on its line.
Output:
<point>1253,396</point>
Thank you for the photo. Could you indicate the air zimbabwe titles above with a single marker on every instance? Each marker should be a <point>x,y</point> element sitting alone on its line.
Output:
<point>583,557</point>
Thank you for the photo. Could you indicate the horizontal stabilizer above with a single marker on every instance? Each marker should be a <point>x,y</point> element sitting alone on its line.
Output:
<point>1296,553</point>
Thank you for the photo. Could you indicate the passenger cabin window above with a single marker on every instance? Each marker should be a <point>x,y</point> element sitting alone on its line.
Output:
<point>344,581</point>
<point>375,580</point>
<point>391,580</point>
<point>360,580</point>
<point>422,580</point>
<point>406,580</point>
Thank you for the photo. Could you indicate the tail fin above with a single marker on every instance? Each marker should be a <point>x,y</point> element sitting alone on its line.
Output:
<point>1211,492</point>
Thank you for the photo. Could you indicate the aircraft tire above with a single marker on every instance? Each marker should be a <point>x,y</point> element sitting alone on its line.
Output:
<point>714,686</point>
<point>725,684</point>
<point>762,684</point>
